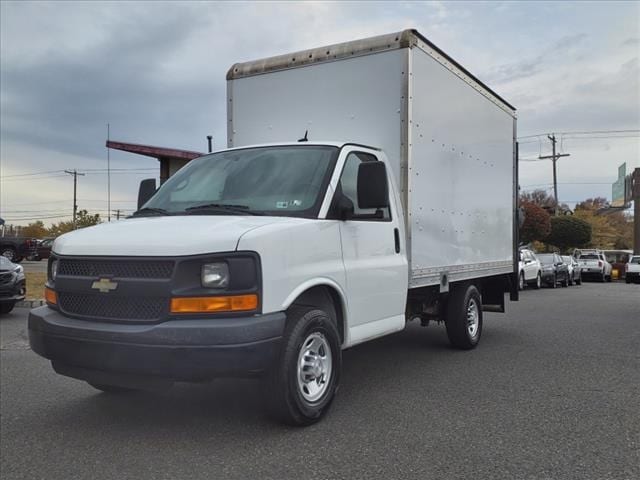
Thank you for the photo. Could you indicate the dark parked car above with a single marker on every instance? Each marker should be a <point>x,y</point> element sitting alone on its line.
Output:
<point>43,249</point>
<point>12,284</point>
<point>554,270</point>
<point>575,272</point>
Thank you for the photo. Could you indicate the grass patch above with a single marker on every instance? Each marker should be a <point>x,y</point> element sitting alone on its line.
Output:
<point>35,284</point>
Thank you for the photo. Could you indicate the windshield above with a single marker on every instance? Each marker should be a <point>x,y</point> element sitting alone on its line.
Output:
<point>546,259</point>
<point>635,260</point>
<point>589,256</point>
<point>281,180</point>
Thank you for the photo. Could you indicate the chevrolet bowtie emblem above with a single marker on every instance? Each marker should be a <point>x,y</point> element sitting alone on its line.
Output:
<point>104,285</point>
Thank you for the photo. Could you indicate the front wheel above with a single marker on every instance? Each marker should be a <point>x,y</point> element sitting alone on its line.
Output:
<point>464,317</point>
<point>579,280</point>
<point>565,282</point>
<point>538,283</point>
<point>302,384</point>
<point>521,281</point>
<point>7,307</point>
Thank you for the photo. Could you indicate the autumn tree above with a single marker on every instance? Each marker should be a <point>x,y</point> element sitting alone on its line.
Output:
<point>537,223</point>
<point>567,231</point>
<point>34,230</point>
<point>83,219</point>
<point>610,229</point>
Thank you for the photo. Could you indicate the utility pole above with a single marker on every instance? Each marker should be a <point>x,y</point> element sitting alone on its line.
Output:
<point>117,214</point>
<point>75,189</point>
<point>635,185</point>
<point>108,176</point>
<point>554,157</point>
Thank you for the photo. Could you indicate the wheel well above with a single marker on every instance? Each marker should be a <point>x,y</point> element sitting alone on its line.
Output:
<point>327,299</point>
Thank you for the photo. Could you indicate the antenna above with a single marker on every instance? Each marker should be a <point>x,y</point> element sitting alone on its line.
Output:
<point>304,139</point>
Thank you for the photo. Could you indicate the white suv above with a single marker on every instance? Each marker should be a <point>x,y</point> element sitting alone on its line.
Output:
<point>632,269</point>
<point>530,269</point>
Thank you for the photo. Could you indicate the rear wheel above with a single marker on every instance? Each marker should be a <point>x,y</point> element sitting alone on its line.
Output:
<point>9,253</point>
<point>302,384</point>
<point>464,317</point>
<point>609,278</point>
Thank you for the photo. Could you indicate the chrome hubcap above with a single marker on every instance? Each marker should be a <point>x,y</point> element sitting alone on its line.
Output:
<point>473,320</point>
<point>314,367</point>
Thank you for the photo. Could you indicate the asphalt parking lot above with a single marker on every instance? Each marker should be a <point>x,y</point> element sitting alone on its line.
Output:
<point>552,392</point>
<point>33,266</point>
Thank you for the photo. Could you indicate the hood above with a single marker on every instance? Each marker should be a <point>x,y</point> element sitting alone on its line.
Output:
<point>161,236</point>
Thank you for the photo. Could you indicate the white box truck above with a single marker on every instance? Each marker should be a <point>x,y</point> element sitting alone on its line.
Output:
<point>366,184</point>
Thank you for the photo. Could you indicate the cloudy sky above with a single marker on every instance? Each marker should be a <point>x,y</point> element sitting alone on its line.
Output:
<point>155,71</point>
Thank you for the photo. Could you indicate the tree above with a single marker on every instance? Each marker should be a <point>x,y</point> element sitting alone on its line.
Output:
<point>542,199</point>
<point>610,229</point>
<point>34,230</point>
<point>83,219</point>
<point>537,223</point>
<point>567,231</point>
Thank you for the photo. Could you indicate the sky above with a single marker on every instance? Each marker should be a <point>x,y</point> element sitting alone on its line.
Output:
<point>155,72</point>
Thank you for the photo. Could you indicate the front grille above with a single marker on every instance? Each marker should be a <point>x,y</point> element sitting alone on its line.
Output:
<point>113,307</point>
<point>117,269</point>
<point>6,278</point>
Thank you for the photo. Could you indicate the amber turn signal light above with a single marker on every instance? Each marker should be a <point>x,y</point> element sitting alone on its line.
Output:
<point>50,296</point>
<point>233,303</point>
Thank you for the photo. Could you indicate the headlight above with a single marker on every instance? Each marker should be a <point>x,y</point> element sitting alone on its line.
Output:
<point>19,269</point>
<point>215,275</point>
<point>53,270</point>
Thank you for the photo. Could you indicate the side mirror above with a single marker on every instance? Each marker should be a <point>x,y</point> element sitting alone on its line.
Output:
<point>373,190</point>
<point>146,191</point>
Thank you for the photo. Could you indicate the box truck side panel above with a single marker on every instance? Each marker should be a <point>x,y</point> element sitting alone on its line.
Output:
<point>356,100</point>
<point>460,177</point>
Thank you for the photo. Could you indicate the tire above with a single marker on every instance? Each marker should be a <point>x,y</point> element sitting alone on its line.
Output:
<point>571,280</point>
<point>10,253</point>
<point>565,282</point>
<point>464,317</point>
<point>609,278</point>
<point>111,388</point>
<point>538,283</point>
<point>6,307</point>
<point>290,398</point>
<point>603,278</point>
<point>579,280</point>
<point>521,281</point>
<point>628,280</point>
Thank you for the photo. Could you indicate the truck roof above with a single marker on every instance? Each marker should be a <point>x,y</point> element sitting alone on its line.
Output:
<point>405,39</point>
<point>297,144</point>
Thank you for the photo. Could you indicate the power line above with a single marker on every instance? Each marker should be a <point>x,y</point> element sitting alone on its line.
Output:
<point>591,132</point>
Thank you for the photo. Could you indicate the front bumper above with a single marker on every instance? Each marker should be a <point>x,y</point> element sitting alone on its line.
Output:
<point>145,355</point>
<point>13,292</point>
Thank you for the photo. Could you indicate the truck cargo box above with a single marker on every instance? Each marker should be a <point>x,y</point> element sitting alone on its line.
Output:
<point>449,138</point>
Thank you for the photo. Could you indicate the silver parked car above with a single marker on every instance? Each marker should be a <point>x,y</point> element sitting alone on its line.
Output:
<point>575,272</point>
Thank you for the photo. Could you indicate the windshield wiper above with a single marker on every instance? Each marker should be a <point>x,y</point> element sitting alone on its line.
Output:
<point>150,210</point>
<point>241,209</point>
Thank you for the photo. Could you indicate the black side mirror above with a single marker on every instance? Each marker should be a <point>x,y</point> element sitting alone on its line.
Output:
<point>146,191</point>
<point>373,190</point>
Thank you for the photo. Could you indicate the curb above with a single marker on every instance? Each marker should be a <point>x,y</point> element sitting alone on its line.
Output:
<point>30,303</point>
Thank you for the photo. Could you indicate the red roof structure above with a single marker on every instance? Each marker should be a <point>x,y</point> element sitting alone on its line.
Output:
<point>171,159</point>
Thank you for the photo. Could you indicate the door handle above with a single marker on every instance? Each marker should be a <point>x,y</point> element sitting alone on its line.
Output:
<point>396,237</point>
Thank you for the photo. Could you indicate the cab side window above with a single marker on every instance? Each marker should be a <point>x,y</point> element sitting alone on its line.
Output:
<point>348,185</point>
